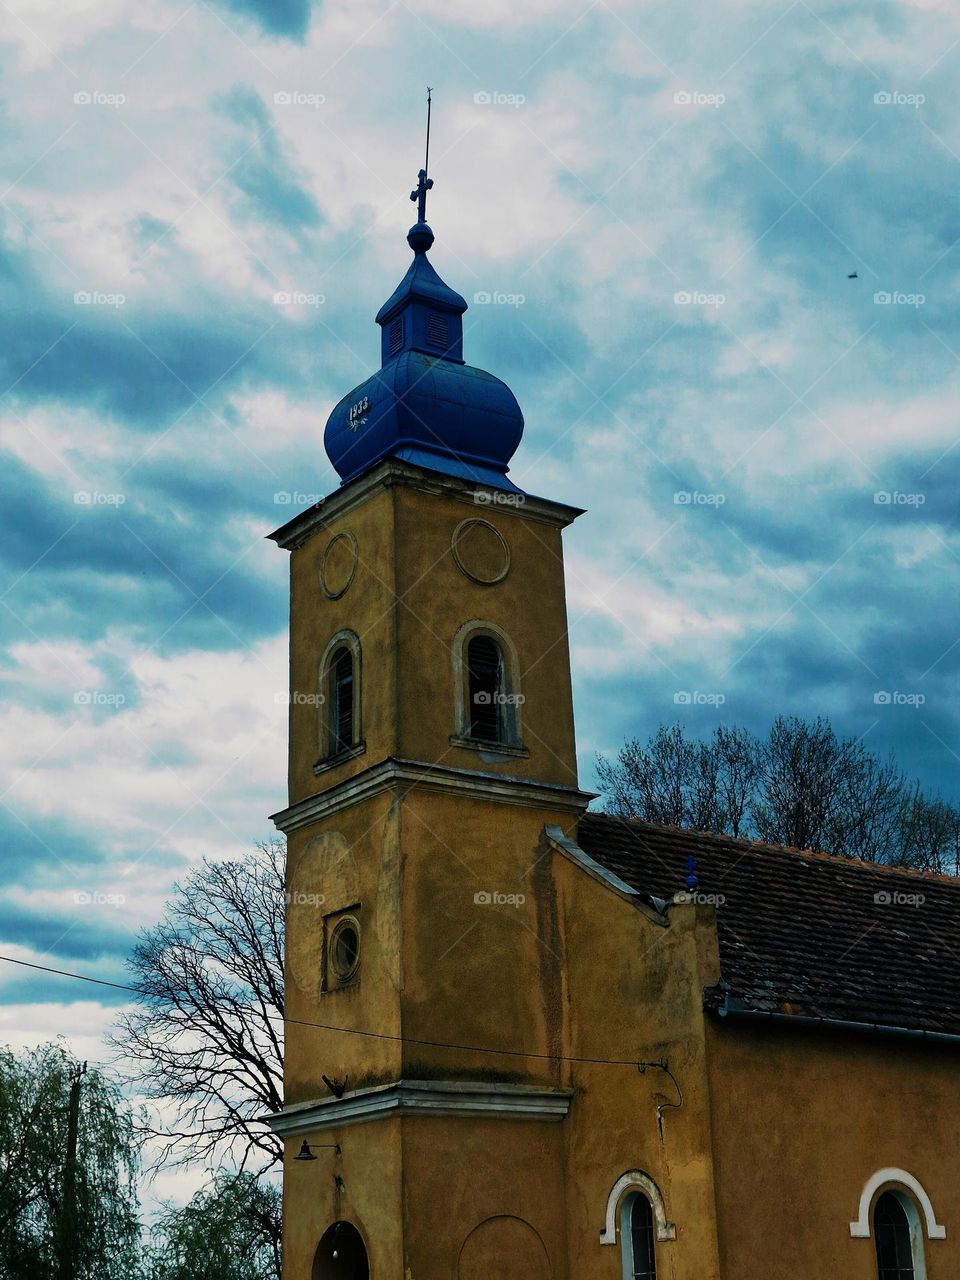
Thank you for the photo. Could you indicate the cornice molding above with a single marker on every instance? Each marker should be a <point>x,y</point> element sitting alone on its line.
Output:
<point>423,1097</point>
<point>392,773</point>
<point>392,472</point>
<point>555,837</point>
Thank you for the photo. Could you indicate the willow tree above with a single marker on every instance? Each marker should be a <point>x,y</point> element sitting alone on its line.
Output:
<point>227,1231</point>
<point>68,1203</point>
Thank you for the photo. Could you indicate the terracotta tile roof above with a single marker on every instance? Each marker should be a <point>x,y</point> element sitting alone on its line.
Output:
<point>805,933</point>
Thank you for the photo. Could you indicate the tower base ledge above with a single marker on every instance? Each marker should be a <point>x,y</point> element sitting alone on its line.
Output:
<point>392,773</point>
<point>423,1097</point>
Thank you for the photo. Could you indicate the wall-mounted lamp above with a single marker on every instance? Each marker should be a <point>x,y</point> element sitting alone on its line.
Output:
<point>306,1151</point>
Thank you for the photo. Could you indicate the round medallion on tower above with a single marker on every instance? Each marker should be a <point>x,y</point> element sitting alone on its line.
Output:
<point>338,565</point>
<point>481,552</point>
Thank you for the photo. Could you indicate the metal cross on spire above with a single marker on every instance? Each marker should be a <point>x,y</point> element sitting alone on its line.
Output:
<point>423,182</point>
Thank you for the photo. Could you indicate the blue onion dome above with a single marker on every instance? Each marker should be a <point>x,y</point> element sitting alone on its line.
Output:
<point>425,405</point>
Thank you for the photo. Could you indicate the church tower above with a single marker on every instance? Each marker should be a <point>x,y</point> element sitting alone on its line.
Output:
<point>431,744</point>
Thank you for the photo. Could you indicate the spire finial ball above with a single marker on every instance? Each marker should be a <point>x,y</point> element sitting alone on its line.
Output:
<point>420,237</point>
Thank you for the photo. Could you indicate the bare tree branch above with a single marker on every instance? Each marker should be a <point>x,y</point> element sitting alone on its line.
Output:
<point>801,786</point>
<point>205,1038</point>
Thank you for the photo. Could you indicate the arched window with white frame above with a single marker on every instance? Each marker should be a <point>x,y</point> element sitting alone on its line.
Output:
<point>896,1211</point>
<point>636,1218</point>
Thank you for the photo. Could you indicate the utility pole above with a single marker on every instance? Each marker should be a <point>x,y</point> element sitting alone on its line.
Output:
<point>67,1268</point>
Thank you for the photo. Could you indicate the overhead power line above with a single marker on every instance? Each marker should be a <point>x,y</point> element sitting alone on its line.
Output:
<point>350,1031</point>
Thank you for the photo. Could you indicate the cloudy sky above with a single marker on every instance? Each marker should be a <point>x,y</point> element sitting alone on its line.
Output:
<point>667,202</point>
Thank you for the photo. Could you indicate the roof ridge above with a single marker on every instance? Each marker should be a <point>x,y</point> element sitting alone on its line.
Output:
<point>820,855</point>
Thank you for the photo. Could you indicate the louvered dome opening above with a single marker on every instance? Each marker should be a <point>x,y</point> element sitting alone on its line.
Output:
<point>341,701</point>
<point>438,331</point>
<point>396,335</point>
<point>486,689</point>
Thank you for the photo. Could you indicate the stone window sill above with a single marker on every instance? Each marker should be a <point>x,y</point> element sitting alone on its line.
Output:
<point>485,748</point>
<point>341,757</point>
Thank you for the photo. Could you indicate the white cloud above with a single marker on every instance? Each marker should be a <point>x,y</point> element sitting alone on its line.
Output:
<point>103,764</point>
<point>44,30</point>
<point>84,1022</point>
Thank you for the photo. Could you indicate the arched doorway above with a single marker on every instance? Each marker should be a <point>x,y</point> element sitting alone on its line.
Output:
<point>341,1254</point>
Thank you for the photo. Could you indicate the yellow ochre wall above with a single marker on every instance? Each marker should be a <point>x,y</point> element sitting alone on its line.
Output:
<point>370,1169</point>
<point>437,964</point>
<point>547,976</point>
<point>417,893</point>
<point>406,602</point>
<point>331,867</point>
<point>634,992</point>
<point>801,1120</point>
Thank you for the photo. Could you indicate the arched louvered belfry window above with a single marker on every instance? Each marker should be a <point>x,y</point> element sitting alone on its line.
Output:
<point>638,1239</point>
<point>341,718</point>
<point>487,696</point>
<point>893,1238</point>
<point>485,689</point>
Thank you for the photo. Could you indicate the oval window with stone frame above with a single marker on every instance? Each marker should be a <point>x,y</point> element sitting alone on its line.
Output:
<point>344,950</point>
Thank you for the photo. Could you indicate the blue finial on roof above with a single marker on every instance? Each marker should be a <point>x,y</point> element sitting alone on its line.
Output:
<point>692,879</point>
<point>425,405</point>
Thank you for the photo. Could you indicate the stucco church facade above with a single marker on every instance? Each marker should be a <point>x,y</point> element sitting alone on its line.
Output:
<point>523,1039</point>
